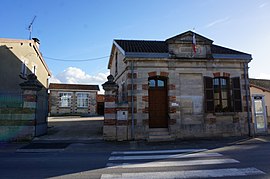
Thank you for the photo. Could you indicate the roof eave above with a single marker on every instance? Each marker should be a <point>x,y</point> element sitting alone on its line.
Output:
<point>115,45</point>
<point>232,56</point>
<point>146,55</point>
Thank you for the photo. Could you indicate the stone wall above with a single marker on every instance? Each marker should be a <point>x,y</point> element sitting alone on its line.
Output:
<point>56,109</point>
<point>187,117</point>
<point>20,113</point>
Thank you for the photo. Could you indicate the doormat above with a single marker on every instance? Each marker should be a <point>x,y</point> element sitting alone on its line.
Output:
<point>46,146</point>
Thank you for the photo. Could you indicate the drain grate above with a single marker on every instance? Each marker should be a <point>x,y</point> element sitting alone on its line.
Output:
<point>46,146</point>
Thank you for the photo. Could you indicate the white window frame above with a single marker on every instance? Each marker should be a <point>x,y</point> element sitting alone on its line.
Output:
<point>23,73</point>
<point>82,99</point>
<point>34,69</point>
<point>65,99</point>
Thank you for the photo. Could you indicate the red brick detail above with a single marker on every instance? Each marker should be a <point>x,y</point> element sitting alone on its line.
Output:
<point>217,74</point>
<point>172,98</point>
<point>134,86</point>
<point>134,98</point>
<point>152,74</point>
<point>165,74</point>
<point>109,122</point>
<point>134,75</point>
<point>145,98</point>
<point>110,98</point>
<point>109,110</point>
<point>226,74</point>
<point>145,110</point>
<point>172,121</point>
<point>122,109</point>
<point>171,87</point>
<point>145,86</point>
<point>172,110</point>
<point>29,98</point>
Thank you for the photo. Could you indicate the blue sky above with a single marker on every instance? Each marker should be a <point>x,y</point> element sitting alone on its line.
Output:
<point>85,29</point>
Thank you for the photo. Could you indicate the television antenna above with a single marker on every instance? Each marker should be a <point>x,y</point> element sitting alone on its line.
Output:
<point>30,28</point>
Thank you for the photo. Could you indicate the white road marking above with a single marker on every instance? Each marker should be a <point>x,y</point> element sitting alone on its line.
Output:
<point>177,156</point>
<point>186,174</point>
<point>172,163</point>
<point>157,151</point>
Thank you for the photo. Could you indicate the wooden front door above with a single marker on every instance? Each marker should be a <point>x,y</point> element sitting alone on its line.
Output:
<point>158,103</point>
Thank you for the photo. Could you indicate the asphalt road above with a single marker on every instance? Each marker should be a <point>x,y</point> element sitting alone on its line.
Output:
<point>227,158</point>
<point>74,128</point>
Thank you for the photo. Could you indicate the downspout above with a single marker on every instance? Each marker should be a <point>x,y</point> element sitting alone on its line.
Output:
<point>247,98</point>
<point>132,101</point>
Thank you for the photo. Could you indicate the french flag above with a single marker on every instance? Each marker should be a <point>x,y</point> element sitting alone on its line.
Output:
<point>194,43</point>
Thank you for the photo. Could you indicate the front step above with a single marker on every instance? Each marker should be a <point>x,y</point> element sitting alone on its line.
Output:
<point>159,134</point>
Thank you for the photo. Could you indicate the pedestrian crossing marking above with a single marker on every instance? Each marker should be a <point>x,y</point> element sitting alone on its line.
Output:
<point>228,172</point>
<point>172,163</point>
<point>174,158</point>
<point>177,156</point>
<point>157,151</point>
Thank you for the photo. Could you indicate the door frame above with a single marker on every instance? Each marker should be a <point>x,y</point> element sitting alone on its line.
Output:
<point>263,113</point>
<point>165,79</point>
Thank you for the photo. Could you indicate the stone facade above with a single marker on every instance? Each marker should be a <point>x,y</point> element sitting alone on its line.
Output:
<point>87,106</point>
<point>185,72</point>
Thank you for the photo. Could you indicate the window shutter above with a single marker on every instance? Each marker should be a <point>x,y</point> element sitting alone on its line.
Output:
<point>209,94</point>
<point>236,95</point>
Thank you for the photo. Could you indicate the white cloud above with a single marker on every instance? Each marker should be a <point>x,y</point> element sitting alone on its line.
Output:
<point>263,5</point>
<point>264,76</point>
<point>53,79</point>
<point>217,22</point>
<point>73,75</point>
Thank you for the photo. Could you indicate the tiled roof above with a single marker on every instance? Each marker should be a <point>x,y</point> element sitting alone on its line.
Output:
<point>264,84</point>
<point>223,50</point>
<point>73,86</point>
<point>144,46</point>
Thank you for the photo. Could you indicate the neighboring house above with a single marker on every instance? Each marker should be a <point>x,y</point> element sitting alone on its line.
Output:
<point>73,99</point>
<point>260,94</point>
<point>183,87</point>
<point>18,59</point>
<point>23,90</point>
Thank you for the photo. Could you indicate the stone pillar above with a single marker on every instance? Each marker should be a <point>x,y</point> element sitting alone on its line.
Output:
<point>110,121</point>
<point>30,89</point>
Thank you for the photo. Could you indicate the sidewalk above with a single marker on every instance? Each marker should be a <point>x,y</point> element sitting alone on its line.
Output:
<point>91,146</point>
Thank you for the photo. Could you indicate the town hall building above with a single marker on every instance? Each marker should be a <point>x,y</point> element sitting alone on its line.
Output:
<point>182,87</point>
